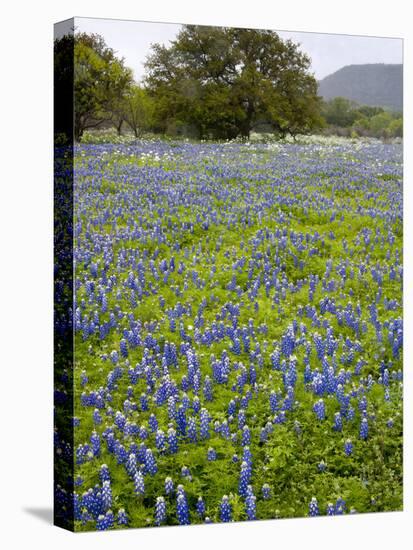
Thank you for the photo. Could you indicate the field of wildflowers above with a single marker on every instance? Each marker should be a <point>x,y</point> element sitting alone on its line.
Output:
<point>238,331</point>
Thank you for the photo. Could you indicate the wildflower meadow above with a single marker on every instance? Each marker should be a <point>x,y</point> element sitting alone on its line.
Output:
<point>238,331</point>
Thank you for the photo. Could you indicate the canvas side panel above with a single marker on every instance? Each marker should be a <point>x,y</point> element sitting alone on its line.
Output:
<point>63,274</point>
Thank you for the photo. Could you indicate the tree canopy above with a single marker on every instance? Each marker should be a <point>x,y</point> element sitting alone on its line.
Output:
<point>100,82</point>
<point>224,82</point>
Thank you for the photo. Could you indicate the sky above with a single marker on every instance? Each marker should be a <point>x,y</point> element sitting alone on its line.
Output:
<point>328,52</point>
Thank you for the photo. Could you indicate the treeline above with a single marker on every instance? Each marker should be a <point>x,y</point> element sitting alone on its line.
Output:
<point>210,83</point>
<point>347,118</point>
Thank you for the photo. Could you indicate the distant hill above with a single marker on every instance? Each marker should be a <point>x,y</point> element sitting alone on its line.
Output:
<point>373,84</point>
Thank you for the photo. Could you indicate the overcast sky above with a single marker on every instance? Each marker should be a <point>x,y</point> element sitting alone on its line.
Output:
<point>328,52</point>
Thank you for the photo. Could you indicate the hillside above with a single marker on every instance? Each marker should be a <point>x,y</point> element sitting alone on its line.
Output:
<point>371,84</point>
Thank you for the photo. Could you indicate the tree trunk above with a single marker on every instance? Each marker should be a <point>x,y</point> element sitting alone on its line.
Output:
<point>78,132</point>
<point>246,125</point>
<point>119,127</point>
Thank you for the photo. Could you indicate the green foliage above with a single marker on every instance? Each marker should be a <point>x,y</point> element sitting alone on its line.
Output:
<point>100,82</point>
<point>224,82</point>
<point>339,112</point>
<point>138,110</point>
<point>362,120</point>
<point>378,123</point>
<point>396,127</point>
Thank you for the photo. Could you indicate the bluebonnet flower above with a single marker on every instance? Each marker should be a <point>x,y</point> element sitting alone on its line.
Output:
<point>120,420</point>
<point>139,483</point>
<point>105,522</point>
<point>185,401</point>
<point>350,413</point>
<point>313,508</point>
<point>322,466</point>
<point>266,491</point>
<point>288,342</point>
<point>122,517</point>
<point>172,441</point>
<point>250,505</point>
<point>160,510</point>
<point>308,375</point>
<point>236,348</point>
<point>144,402</point>
<point>225,430</point>
<point>340,506</point>
<point>204,424</point>
<point>196,404</point>
<point>348,447</point>
<point>330,510</point>
<point>232,408</point>
<point>95,440</point>
<point>106,495</point>
<point>143,432</point>
<point>185,472</point>
<point>123,348</point>
<point>97,418</point>
<point>153,423</point>
<point>242,419</point>
<point>160,440</point>
<point>244,479</point>
<point>181,420</point>
<point>78,481</point>
<point>77,506</point>
<point>191,429</point>
<point>289,399</point>
<point>263,435</point>
<point>83,378</point>
<point>297,427</point>
<point>104,473</point>
<point>141,453</point>
<point>362,404</point>
<point>338,423</point>
<point>320,409</point>
<point>169,485</point>
<point>131,465</point>
<point>247,457</point>
<point>364,429</point>
<point>211,455</point>
<point>273,402</point>
<point>114,357</point>
<point>275,359</point>
<point>390,423</point>
<point>150,462</point>
<point>246,436</point>
<point>200,507</point>
<point>208,389</point>
<point>225,510</point>
<point>182,510</point>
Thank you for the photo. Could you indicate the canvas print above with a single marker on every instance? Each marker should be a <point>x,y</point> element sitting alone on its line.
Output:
<point>228,274</point>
